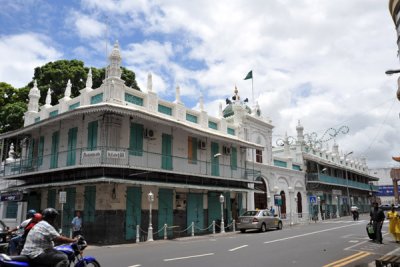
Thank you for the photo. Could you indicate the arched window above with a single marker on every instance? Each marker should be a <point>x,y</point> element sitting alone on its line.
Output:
<point>260,199</point>
<point>283,207</point>
<point>299,205</point>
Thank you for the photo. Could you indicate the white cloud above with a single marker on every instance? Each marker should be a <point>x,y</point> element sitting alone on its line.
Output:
<point>87,27</point>
<point>22,53</point>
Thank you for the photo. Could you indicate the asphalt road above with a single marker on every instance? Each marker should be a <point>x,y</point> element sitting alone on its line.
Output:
<point>339,242</point>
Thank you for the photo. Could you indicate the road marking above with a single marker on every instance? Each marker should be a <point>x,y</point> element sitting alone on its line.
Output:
<point>347,260</point>
<point>233,249</point>
<point>188,257</point>
<point>311,233</point>
<point>137,265</point>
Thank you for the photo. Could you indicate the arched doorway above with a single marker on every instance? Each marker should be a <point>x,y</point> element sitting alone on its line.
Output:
<point>299,205</point>
<point>260,199</point>
<point>283,207</point>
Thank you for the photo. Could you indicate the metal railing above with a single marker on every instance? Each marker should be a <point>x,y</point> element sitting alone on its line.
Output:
<point>112,156</point>
<point>314,177</point>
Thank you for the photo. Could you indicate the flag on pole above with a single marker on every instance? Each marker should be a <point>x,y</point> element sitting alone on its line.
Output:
<point>249,75</point>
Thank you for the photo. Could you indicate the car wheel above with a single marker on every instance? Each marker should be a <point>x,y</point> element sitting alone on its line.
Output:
<point>242,230</point>
<point>279,226</point>
<point>263,228</point>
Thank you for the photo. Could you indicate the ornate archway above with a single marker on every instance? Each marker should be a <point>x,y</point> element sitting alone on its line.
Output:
<point>283,207</point>
<point>299,209</point>
<point>260,199</point>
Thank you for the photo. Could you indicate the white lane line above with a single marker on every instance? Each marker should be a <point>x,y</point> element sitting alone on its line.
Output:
<point>137,265</point>
<point>233,249</point>
<point>311,233</point>
<point>188,257</point>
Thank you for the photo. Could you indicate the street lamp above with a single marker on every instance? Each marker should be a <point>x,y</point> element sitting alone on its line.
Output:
<point>347,179</point>
<point>390,72</point>
<point>319,208</point>
<point>150,198</point>
<point>337,208</point>
<point>296,214</point>
<point>221,200</point>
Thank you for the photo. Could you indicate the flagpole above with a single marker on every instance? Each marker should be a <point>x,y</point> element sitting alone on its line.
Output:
<point>252,89</point>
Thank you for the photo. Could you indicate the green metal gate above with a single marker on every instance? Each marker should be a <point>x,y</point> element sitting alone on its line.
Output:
<point>89,212</point>
<point>214,207</point>
<point>51,198</point>
<point>165,209</point>
<point>68,210</point>
<point>34,201</point>
<point>133,211</point>
<point>195,211</point>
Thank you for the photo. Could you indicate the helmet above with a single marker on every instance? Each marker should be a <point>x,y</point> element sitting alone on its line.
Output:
<point>37,217</point>
<point>50,213</point>
<point>30,214</point>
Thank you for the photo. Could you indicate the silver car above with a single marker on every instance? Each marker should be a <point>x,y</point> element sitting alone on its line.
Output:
<point>258,219</point>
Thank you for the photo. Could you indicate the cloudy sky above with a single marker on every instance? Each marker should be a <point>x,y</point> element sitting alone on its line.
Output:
<point>320,62</point>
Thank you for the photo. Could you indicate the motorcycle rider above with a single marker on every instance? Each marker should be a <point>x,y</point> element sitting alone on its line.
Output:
<point>15,241</point>
<point>39,245</point>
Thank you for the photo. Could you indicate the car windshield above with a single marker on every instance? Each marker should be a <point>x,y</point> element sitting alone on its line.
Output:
<point>250,213</point>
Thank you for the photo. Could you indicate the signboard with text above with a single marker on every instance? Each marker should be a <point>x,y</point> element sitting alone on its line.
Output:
<point>278,200</point>
<point>11,196</point>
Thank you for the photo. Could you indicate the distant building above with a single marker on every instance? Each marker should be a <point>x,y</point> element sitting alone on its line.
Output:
<point>334,180</point>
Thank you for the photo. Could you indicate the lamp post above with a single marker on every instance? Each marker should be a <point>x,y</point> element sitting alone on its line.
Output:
<point>221,200</point>
<point>291,192</point>
<point>296,215</point>
<point>347,180</point>
<point>319,209</point>
<point>337,208</point>
<point>150,198</point>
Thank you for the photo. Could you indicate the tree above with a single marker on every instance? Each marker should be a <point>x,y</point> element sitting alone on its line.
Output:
<point>12,107</point>
<point>55,75</point>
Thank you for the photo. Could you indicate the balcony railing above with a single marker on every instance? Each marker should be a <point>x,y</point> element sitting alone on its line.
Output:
<point>323,178</point>
<point>117,157</point>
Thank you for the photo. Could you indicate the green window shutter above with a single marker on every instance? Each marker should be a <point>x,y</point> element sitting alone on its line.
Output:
<point>194,150</point>
<point>37,119</point>
<point>72,140</point>
<point>40,151</point>
<point>51,198</point>
<point>92,135</point>
<point>166,161</point>
<point>231,131</point>
<point>30,153</point>
<point>280,163</point>
<point>214,160</point>
<point>136,140</point>
<point>90,204</point>
<point>54,150</point>
<point>233,158</point>
<point>53,113</point>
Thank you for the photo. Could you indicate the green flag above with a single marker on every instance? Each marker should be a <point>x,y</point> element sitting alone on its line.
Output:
<point>249,75</point>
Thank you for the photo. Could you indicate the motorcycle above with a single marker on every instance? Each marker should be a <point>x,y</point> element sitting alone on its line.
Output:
<point>73,251</point>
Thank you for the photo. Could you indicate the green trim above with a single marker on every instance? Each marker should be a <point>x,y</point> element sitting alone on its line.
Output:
<point>92,135</point>
<point>96,99</point>
<point>37,119</point>
<point>164,109</point>
<point>296,167</point>
<point>133,99</point>
<point>231,131</point>
<point>55,139</point>
<point>214,160</point>
<point>40,151</point>
<point>280,163</point>
<point>72,140</point>
<point>74,106</point>
<point>191,118</point>
<point>53,113</point>
<point>51,197</point>
<point>212,125</point>
<point>233,158</point>
<point>136,139</point>
<point>166,151</point>
<point>90,204</point>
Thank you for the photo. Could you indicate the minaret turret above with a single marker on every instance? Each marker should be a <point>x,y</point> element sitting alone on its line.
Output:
<point>89,80</point>
<point>67,92</point>
<point>149,83</point>
<point>48,99</point>
<point>114,67</point>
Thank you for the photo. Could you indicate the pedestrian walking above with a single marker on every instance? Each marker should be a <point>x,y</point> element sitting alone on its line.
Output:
<point>76,225</point>
<point>394,223</point>
<point>377,219</point>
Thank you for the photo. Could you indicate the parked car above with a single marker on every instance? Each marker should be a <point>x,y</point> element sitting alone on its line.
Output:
<point>3,232</point>
<point>258,219</point>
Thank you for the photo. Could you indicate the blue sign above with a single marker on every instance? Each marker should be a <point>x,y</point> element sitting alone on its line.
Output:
<point>313,199</point>
<point>386,190</point>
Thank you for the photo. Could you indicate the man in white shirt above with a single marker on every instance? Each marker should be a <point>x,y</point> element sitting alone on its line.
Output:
<point>13,248</point>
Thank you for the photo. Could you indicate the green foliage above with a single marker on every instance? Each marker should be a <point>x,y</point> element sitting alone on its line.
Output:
<point>54,75</point>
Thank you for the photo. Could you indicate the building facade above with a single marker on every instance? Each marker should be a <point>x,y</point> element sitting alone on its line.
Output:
<point>334,181</point>
<point>104,152</point>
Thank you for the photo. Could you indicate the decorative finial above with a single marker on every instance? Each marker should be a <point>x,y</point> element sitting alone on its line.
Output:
<point>201,103</point>
<point>48,97</point>
<point>149,82</point>
<point>220,110</point>
<point>177,95</point>
<point>89,80</point>
<point>67,93</point>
